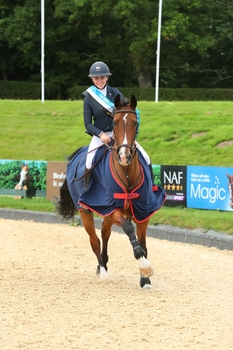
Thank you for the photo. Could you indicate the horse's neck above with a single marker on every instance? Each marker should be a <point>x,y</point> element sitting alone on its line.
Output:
<point>129,176</point>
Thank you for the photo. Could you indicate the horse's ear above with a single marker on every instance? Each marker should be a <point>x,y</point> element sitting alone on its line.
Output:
<point>117,101</point>
<point>133,101</point>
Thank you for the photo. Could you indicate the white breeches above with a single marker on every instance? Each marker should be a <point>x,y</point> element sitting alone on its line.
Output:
<point>95,142</point>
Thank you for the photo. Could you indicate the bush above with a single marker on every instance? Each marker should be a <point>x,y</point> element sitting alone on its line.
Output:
<point>32,91</point>
<point>21,90</point>
<point>165,94</point>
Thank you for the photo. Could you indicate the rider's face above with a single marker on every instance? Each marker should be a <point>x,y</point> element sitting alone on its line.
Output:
<point>100,82</point>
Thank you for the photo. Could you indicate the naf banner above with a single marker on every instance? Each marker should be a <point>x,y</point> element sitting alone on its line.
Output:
<point>210,188</point>
<point>173,180</point>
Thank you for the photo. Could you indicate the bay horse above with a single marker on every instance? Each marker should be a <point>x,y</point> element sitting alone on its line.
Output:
<point>24,181</point>
<point>230,187</point>
<point>120,190</point>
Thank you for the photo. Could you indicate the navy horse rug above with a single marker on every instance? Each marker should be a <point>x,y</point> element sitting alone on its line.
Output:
<point>105,194</point>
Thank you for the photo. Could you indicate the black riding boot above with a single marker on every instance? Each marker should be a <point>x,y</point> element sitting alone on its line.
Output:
<point>87,177</point>
<point>151,172</point>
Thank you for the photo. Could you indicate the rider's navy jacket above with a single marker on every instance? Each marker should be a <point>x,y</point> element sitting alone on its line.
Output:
<point>92,109</point>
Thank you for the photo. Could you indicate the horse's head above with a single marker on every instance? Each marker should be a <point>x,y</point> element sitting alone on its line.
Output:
<point>125,127</point>
<point>230,186</point>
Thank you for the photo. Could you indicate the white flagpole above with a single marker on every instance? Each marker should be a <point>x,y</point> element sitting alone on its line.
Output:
<point>158,52</point>
<point>42,51</point>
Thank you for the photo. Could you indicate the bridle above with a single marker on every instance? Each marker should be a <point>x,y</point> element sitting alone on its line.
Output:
<point>116,148</point>
<point>132,147</point>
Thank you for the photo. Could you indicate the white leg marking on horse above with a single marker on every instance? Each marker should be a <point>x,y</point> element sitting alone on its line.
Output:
<point>147,286</point>
<point>145,267</point>
<point>103,274</point>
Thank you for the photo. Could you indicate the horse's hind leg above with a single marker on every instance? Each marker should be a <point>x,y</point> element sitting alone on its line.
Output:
<point>89,225</point>
<point>105,233</point>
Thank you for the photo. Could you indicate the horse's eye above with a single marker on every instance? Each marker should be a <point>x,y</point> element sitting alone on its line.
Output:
<point>114,123</point>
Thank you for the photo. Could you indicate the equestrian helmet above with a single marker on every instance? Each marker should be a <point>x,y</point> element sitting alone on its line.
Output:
<point>99,69</point>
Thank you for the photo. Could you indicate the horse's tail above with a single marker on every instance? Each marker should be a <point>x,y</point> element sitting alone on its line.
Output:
<point>65,205</point>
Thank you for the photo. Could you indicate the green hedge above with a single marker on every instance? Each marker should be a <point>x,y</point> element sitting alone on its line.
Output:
<point>32,91</point>
<point>20,90</point>
<point>165,94</point>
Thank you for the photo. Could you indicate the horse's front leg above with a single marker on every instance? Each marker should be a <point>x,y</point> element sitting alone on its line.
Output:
<point>146,270</point>
<point>129,230</point>
<point>89,225</point>
<point>139,247</point>
<point>119,220</point>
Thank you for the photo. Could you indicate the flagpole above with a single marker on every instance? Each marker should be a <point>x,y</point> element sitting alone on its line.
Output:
<point>158,51</point>
<point>42,51</point>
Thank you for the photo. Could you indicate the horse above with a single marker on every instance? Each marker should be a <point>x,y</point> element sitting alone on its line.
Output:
<point>120,190</point>
<point>24,181</point>
<point>230,187</point>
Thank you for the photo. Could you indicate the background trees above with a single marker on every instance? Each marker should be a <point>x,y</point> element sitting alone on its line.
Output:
<point>196,43</point>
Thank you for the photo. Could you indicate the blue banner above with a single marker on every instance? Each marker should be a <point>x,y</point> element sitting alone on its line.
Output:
<point>210,188</point>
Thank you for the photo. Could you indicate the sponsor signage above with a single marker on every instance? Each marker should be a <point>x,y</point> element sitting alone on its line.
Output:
<point>197,187</point>
<point>173,180</point>
<point>209,188</point>
<point>55,178</point>
<point>23,178</point>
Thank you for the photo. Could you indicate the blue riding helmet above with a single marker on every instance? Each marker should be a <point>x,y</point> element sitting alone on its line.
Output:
<point>99,69</point>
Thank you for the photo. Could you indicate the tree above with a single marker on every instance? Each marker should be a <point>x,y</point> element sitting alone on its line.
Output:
<point>194,36</point>
<point>196,45</point>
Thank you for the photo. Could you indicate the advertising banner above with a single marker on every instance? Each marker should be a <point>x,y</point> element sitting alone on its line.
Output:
<point>23,178</point>
<point>210,188</point>
<point>55,178</point>
<point>173,180</point>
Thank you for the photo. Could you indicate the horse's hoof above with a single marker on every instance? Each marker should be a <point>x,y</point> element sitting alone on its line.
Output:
<point>147,286</point>
<point>103,274</point>
<point>145,283</point>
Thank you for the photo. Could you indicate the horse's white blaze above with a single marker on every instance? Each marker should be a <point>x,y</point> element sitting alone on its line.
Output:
<point>145,267</point>
<point>103,274</point>
<point>125,117</point>
<point>125,141</point>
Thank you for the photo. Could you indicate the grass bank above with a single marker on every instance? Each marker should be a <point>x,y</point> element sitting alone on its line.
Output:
<point>51,131</point>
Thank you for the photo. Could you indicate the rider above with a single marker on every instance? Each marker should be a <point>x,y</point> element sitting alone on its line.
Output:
<point>97,111</point>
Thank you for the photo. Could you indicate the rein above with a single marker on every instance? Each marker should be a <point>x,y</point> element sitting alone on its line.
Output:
<point>88,170</point>
<point>114,151</point>
<point>128,186</point>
